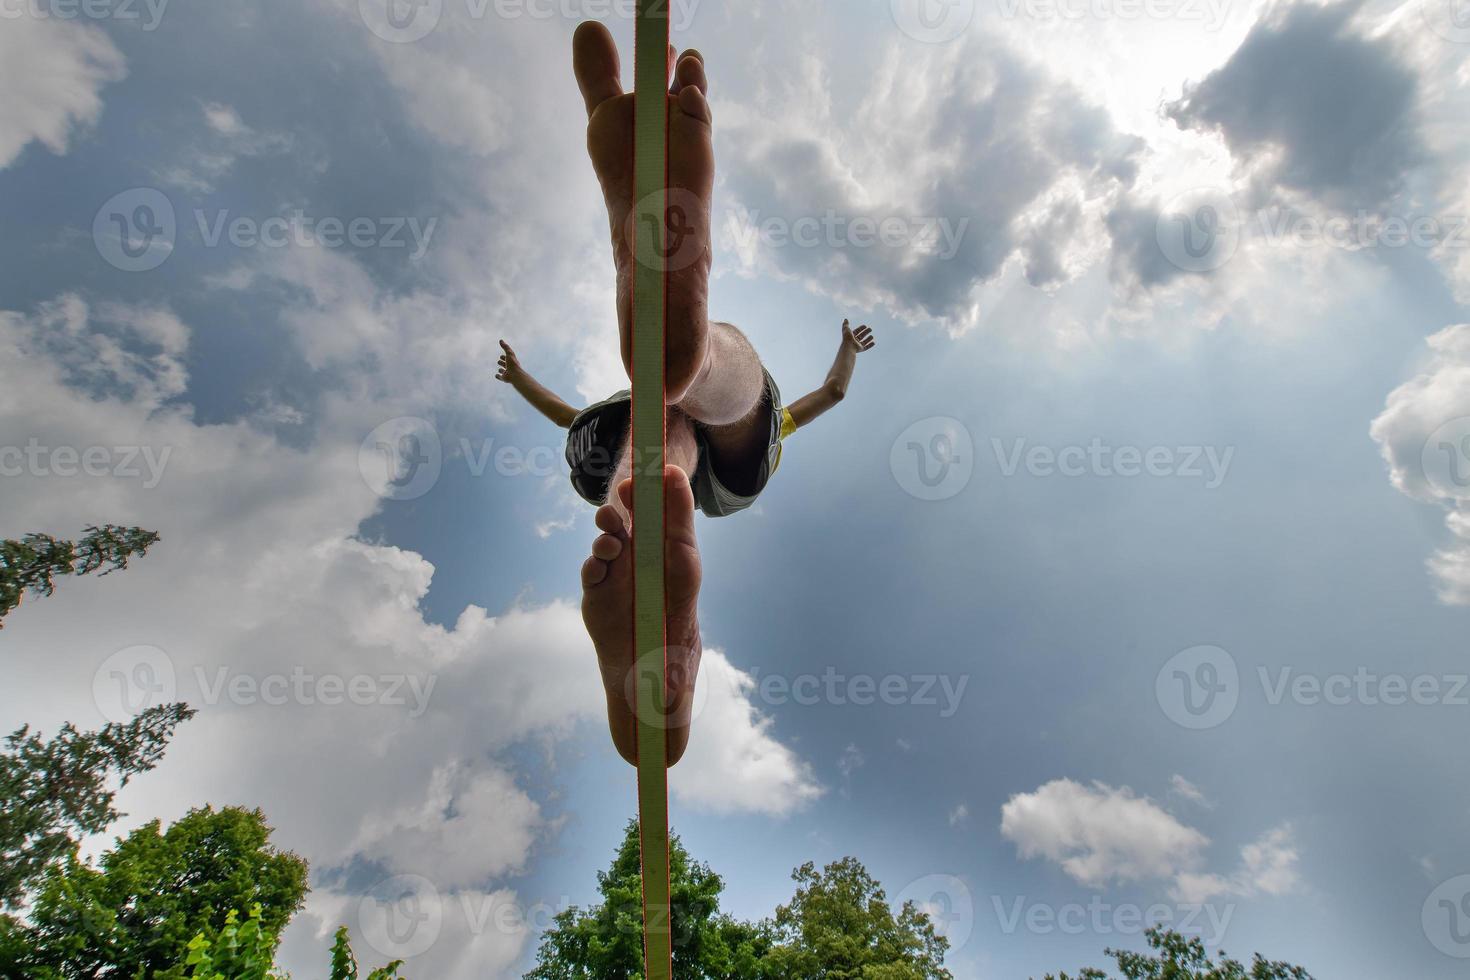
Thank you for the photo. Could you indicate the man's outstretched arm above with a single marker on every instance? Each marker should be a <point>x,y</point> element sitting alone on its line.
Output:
<point>542,399</point>
<point>834,389</point>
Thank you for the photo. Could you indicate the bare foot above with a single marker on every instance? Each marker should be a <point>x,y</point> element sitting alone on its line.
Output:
<point>691,184</point>
<point>607,610</point>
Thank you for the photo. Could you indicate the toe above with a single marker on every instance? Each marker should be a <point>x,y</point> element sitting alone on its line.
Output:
<point>607,547</point>
<point>594,570</point>
<point>678,506</point>
<point>694,105</point>
<point>608,519</point>
<point>690,73</point>
<point>595,61</point>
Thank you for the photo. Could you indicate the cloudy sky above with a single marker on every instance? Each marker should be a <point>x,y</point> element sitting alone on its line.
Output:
<point>1129,585</point>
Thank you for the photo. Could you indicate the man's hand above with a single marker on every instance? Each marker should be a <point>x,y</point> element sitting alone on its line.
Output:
<point>857,340</point>
<point>510,371</point>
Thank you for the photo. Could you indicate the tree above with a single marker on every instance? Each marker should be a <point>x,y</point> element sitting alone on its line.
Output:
<point>1186,959</point>
<point>156,892</point>
<point>33,563</point>
<point>606,941</point>
<point>57,791</point>
<point>839,926</point>
<point>244,951</point>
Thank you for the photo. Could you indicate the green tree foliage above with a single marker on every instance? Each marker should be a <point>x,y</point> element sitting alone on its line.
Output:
<point>156,892</point>
<point>606,941</point>
<point>246,950</point>
<point>838,926</point>
<point>59,790</point>
<point>1178,958</point>
<point>33,563</point>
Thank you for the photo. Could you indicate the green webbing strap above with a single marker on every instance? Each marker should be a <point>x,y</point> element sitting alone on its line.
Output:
<point>650,183</point>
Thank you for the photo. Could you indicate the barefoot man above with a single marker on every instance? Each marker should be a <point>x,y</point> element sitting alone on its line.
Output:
<point>725,416</point>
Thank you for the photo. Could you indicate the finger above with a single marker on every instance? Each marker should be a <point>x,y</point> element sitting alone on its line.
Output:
<point>594,570</point>
<point>607,547</point>
<point>506,347</point>
<point>595,61</point>
<point>608,519</point>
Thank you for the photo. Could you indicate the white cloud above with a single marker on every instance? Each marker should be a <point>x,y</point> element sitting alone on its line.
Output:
<point>1183,788</point>
<point>734,761</point>
<point>960,814</point>
<point>1268,866</point>
<point>1100,835</point>
<point>1424,435</point>
<point>52,73</point>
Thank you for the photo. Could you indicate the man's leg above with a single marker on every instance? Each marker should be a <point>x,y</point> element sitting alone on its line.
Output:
<point>729,400</point>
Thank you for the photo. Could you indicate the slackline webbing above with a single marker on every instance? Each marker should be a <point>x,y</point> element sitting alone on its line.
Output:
<point>650,184</point>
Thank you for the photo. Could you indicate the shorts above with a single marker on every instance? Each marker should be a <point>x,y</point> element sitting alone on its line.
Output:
<point>598,433</point>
